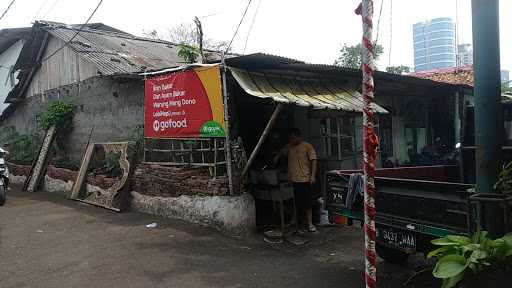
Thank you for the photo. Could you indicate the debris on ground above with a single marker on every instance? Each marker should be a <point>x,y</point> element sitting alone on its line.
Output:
<point>273,236</point>
<point>297,240</point>
<point>152,225</point>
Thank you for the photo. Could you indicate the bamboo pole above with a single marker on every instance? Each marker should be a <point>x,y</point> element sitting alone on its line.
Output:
<point>227,145</point>
<point>262,139</point>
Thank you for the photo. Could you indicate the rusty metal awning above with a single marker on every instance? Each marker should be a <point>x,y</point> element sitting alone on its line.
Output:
<point>317,93</point>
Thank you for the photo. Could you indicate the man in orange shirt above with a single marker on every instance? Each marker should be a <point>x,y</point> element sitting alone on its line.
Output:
<point>302,167</point>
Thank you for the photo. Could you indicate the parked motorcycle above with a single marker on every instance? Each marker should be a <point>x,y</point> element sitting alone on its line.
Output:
<point>4,177</point>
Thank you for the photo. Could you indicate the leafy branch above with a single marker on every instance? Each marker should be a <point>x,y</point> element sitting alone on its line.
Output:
<point>58,114</point>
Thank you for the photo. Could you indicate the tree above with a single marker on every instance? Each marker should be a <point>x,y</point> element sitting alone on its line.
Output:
<point>188,34</point>
<point>505,87</point>
<point>351,55</point>
<point>400,69</point>
<point>188,52</point>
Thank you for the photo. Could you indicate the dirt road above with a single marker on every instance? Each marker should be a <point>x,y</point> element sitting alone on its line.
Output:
<point>47,241</point>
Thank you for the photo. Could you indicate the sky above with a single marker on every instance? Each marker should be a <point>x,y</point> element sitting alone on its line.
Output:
<point>312,31</point>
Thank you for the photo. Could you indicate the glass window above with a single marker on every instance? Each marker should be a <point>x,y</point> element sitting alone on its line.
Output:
<point>442,50</point>
<point>337,137</point>
<point>420,53</point>
<point>446,41</point>
<point>447,64</point>
<point>442,57</point>
<point>420,67</point>
<point>441,26</point>
<point>441,34</point>
<point>422,45</point>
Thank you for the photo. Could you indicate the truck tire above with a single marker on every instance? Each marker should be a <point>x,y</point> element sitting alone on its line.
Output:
<point>2,195</point>
<point>391,255</point>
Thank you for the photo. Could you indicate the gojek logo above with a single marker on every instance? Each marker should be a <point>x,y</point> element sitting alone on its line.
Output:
<point>212,129</point>
<point>168,124</point>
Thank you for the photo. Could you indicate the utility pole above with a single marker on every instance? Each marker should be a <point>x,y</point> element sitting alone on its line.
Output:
<point>489,130</point>
<point>199,29</point>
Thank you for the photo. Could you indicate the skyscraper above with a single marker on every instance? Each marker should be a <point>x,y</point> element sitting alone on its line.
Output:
<point>465,54</point>
<point>434,44</point>
<point>505,77</point>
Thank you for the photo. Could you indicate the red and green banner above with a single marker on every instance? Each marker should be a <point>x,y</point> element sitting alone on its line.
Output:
<point>184,104</point>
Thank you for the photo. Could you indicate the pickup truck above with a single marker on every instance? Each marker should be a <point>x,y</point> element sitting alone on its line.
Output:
<point>411,211</point>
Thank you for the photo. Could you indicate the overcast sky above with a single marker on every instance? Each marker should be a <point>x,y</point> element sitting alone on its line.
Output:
<point>312,31</point>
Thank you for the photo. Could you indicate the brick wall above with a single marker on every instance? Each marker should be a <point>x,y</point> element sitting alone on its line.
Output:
<point>151,180</point>
<point>63,174</point>
<point>164,181</point>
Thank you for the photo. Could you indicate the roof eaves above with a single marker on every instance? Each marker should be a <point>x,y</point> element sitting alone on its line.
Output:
<point>28,62</point>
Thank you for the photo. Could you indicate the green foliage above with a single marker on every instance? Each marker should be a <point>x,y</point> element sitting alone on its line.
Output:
<point>401,69</point>
<point>59,113</point>
<point>188,52</point>
<point>505,87</point>
<point>460,254</point>
<point>111,163</point>
<point>7,135</point>
<point>504,183</point>
<point>351,55</point>
<point>22,149</point>
<point>136,134</point>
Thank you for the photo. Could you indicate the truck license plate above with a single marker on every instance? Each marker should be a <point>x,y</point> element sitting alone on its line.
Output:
<point>397,238</point>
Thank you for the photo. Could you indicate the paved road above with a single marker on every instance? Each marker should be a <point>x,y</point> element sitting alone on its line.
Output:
<point>47,241</point>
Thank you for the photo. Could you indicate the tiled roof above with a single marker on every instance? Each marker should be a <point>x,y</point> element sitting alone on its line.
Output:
<point>456,76</point>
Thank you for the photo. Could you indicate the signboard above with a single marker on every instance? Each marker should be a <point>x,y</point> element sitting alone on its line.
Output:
<point>184,104</point>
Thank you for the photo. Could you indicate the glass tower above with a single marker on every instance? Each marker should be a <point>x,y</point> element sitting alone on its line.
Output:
<point>434,44</point>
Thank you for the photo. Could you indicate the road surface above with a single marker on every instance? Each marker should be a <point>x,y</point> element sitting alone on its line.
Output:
<point>48,241</point>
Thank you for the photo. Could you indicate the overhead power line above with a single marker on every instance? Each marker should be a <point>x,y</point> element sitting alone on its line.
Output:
<point>50,9</point>
<point>67,42</point>
<point>238,27</point>
<point>252,24</point>
<point>378,22</point>
<point>7,9</point>
<point>390,31</point>
<point>76,34</point>
<point>210,15</point>
<point>40,9</point>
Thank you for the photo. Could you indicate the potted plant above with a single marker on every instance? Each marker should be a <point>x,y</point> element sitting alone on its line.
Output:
<point>476,261</point>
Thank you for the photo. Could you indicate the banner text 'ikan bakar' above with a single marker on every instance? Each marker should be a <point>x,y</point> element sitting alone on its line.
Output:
<point>184,104</point>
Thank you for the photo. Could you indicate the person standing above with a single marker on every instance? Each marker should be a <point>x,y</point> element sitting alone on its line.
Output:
<point>302,168</point>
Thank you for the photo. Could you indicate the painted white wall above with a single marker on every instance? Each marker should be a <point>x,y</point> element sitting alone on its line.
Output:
<point>7,59</point>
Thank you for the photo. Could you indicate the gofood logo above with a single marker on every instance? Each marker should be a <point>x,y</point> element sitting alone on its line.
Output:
<point>169,124</point>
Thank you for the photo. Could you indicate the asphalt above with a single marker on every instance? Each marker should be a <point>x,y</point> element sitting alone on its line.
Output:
<point>48,241</point>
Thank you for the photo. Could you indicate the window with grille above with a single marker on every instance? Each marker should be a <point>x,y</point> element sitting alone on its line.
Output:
<point>337,137</point>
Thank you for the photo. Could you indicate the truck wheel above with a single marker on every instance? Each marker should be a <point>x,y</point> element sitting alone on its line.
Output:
<point>391,255</point>
<point>2,195</point>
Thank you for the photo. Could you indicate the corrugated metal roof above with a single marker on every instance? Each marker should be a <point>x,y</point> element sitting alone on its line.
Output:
<point>317,93</point>
<point>115,53</point>
<point>11,35</point>
<point>263,61</point>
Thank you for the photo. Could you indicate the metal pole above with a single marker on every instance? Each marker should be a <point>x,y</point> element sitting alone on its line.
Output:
<point>371,143</point>
<point>227,145</point>
<point>488,112</point>
<point>262,139</point>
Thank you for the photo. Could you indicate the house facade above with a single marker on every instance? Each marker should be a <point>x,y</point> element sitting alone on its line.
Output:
<point>101,71</point>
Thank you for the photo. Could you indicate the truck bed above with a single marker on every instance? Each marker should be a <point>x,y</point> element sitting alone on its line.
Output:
<point>435,208</point>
